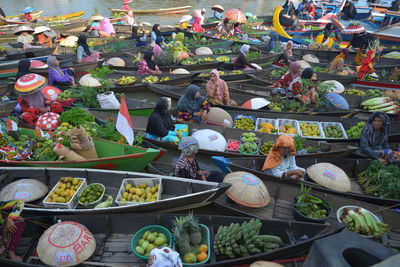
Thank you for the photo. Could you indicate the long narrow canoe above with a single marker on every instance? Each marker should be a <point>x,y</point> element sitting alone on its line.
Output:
<point>112,156</point>
<point>79,68</point>
<point>177,193</point>
<point>280,207</point>
<point>29,53</point>
<point>113,233</point>
<point>14,19</point>
<point>70,16</point>
<point>160,11</point>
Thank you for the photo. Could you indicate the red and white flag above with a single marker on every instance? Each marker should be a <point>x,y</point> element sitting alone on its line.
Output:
<point>124,123</point>
<point>11,126</point>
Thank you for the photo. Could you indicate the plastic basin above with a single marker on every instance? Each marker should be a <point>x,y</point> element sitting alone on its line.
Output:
<point>300,217</point>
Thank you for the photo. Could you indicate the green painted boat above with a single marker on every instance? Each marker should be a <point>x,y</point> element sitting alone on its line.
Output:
<point>112,156</point>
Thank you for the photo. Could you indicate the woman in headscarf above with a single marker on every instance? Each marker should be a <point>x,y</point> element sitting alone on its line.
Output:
<point>338,66</point>
<point>331,28</point>
<point>241,62</point>
<point>374,138</point>
<point>23,68</point>
<point>58,76</point>
<point>223,27</point>
<point>13,227</point>
<point>106,28</point>
<point>293,73</point>
<point>217,91</point>
<point>160,125</point>
<point>281,161</point>
<point>192,107</point>
<point>83,52</point>
<point>235,30</point>
<point>130,18</point>
<point>147,65</point>
<point>187,165</point>
<point>196,27</point>
<point>304,93</point>
<point>287,52</point>
<point>157,50</point>
<point>156,34</point>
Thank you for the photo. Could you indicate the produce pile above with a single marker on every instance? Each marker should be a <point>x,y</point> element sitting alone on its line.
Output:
<point>333,131</point>
<point>251,56</point>
<point>355,92</point>
<point>355,131</point>
<point>266,147</point>
<point>141,193</point>
<point>126,80</point>
<point>241,240</point>
<point>279,105</point>
<point>223,59</point>
<point>189,61</point>
<point>311,206</point>
<point>310,129</point>
<point>277,73</point>
<point>190,240</point>
<point>249,145</point>
<point>150,240</point>
<point>362,222</point>
<point>150,79</point>
<point>288,128</point>
<point>381,180</point>
<point>319,69</point>
<point>65,95</point>
<point>222,73</point>
<point>266,127</point>
<point>64,191</point>
<point>385,104</point>
<point>206,59</point>
<point>233,145</point>
<point>164,79</point>
<point>249,137</point>
<point>375,93</point>
<point>245,123</point>
<point>91,194</point>
<point>300,148</point>
<point>221,51</point>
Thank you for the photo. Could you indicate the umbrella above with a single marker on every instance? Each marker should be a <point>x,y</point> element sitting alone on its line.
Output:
<point>256,103</point>
<point>48,121</point>
<point>236,15</point>
<point>352,29</point>
<point>30,83</point>
<point>185,18</point>
<point>27,10</point>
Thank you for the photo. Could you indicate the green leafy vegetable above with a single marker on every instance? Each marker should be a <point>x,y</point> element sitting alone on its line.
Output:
<point>75,117</point>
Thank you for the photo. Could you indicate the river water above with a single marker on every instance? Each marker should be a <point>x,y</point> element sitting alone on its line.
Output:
<point>57,7</point>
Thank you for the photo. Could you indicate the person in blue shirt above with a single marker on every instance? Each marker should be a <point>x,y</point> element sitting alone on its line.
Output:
<point>218,10</point>
<point>302,6</point>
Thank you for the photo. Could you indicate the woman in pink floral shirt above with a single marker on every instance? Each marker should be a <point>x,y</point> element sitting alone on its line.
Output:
<point>147,65</point>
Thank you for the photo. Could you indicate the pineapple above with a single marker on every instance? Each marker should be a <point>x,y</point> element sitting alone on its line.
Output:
<point>181,236</point>
<point>193,228</point>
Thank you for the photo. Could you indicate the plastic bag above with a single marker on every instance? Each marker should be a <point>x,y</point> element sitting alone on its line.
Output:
<point>108,100</point>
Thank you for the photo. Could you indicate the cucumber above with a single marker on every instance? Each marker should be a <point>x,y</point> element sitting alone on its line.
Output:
<point>271,239</point>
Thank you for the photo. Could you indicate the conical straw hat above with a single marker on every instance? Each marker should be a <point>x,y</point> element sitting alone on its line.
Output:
<point>66,244</point>
<point>26,190</point>
<point>247,189</point>
<point>329,176</point>
<point>265,264</point>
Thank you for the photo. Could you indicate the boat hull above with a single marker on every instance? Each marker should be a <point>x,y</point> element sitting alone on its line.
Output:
<point>160,11</point>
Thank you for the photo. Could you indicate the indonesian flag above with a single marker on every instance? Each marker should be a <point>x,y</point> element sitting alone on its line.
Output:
<point>11,126</point>
<point>124,123</point>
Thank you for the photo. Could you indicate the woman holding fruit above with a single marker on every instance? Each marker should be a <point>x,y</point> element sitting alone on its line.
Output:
<point>192,107</point>
<point>217,91</point>
<point>281,161</point>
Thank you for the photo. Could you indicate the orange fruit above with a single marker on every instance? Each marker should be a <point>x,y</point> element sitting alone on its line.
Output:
<point>202,257</point>
<point>203,248</point>
<point>189,258</point>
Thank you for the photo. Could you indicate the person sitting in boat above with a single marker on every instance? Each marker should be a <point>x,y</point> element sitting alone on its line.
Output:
<point>58,76</point>
<point>106,28</point>
<point>329,29</point>
<point>223,27</point>
<point>293,72</point>
<point>306,93</point>
<point>202,16</point>
<point>192,107</point>
<point>27,17</point>
<point>130,18</point>
<point>287,52</point>
<point>196,26</point>
<point>301,7</point>
<point>187,165</point>
<point>235,30</point>
<point>281,162</point>
<point>13,228</point>
<point>147,64</point>
<point>241,62</point>
<point>126,5</point>
<point>156,34</point>
<point>309,11</point>
<point>41,38</point>
<point>338,65</point>
<point>25,38</point>
<point>288,7</point>
<point>218,10</point>
<point>349,11</point>
<point>94,27</point>
<point>24,66</point>
<point>273,39</point>
<point>374,138</point>
<point>160,126</point>
<point>157,50</point>
<point>84,53</point>
<point>217,91</point>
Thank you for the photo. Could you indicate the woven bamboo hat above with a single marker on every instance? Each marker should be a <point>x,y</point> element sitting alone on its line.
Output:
<point>329,176</point>
<point>96,17</point>
<point>219,116</point>
<point>218,8</point>
<point>66,244</point>
<point>26,190</point>
<point>30,83</point>
<point>20,29</point>
<point>247,190</point>
<point>265,264</point>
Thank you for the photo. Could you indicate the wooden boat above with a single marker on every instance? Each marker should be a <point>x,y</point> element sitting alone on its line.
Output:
<point>34,15</point>
<point>112,156</point>
<point>263,59</point>
<point>352,167</point>
<point>280,207</point>
<point>159,11</point>
<point>175,79</point>
<point>114,235</point>
<point>29,53</point>
<point>15,19</point>
<point>177,193</point>
<point>382,84</point>
<point>79,68</point>
<point>69,16</point>
<point>6,108</point>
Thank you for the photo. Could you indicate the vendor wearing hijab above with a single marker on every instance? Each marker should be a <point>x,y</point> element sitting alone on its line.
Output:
<point>349,11</point>
<point>217,91</point>
<point>192,107</point>
<point>331,28</point>
<point>157,50</point>
<point>305,93</point>
<point>287,52</point>
<point>130,19</point>
<point>293,73</point>
<point>187,165</point>
<point>160,125</point>
<point>241,62</point>
<point>374,138</point>
<point>24,66</point>
<point>223,27</point>
<point>84,53</point>
<point>281,161</point>
<point>58,76</point>
<point>156,33</point>
<point>338,66</point>
<point>147,64</point>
